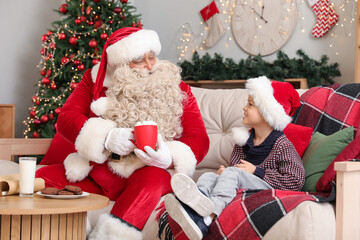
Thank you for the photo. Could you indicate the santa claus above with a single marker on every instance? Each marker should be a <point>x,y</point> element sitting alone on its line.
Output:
<point>129,85</point>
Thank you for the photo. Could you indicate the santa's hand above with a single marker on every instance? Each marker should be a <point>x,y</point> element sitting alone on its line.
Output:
<point>160,158</point>
<point>118,141</point>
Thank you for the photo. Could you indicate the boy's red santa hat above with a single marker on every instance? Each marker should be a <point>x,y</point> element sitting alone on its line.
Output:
<point>123,46</point>
<point>276,101</point>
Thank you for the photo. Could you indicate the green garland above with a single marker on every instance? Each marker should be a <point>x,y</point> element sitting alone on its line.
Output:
<point>216,68</point>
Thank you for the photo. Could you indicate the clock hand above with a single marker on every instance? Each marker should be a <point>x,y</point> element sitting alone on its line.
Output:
<point>261,17</point>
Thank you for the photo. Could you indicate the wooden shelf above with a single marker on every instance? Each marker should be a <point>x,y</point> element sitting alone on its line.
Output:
<point>296,82</point>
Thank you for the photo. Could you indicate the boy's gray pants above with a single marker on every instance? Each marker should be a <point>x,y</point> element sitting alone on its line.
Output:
<point>222,189</point>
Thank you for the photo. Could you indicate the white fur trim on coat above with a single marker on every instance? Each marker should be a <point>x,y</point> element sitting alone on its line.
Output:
<point>90,141</point>
<point>110,228</point>
<point>133,46</point>
<point>126,167</point>
<point>94,72</point>
<point>263,94</point>
<point>100,106</point>
<point>183,158</point>
<point>76,167</point>
<point>240,135</point>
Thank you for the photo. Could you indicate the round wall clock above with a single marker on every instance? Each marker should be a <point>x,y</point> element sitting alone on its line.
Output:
<point>262,27</point>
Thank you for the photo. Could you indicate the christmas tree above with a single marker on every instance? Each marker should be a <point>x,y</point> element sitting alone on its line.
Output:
<point>73,45</point>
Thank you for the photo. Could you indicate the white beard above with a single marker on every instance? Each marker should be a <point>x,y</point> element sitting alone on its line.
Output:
<point>143,95</point>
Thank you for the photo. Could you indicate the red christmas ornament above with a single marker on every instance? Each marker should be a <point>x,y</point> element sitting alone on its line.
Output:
<point>36,135</point>
<point>53,86</point>
<point>37,103</point>
<point>43,72</point>
<point>124,1</point>
<point>44,118</point>
<point>81,67</point>
<point>45,81</point>
<point>104,36</point>
<point>92,43</point>
<point>78,21</point>
<point>32,114</point>
<point>134,25</point>
<point>98,24</point>
<point>49,33</point>
<point>52,45</point>
<point>88,10</point>
<point>49,56</point>
<point>64,60</point>
<point>73,85</point>
<point>43,51</point>
<point>95,61</point>
<point>83,18</point>
<point>51,116</point>
<point>37,122</point>
<point>63,8</point>
<point>34,98</point>
<point>73,41</point>
<point>96,0</point>
<point>62,36</point>
<point>58,110</point>
<point>123,17</point>
<point>44,37</point>
<point>48,73</point>
<point>139,24</point>
<point>111,22</point>
<point>117,10</point>
<point>77,62</point>
<point>90,23</point>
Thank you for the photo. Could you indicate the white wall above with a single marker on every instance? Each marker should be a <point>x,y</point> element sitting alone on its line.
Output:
<point>24,22</point>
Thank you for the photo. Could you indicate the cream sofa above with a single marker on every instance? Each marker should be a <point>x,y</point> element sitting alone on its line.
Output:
<point>221,111</point>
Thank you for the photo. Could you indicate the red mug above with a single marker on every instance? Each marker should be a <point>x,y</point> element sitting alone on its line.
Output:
<point>145,135</point>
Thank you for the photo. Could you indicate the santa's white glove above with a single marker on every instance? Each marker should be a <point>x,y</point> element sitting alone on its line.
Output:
<point>160,158</point>
<point>118,141</point>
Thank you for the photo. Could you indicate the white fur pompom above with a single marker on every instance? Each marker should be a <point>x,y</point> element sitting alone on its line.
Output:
<point>240,135</point>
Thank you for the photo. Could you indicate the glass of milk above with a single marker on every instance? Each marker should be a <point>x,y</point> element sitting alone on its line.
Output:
<point>27,166</point>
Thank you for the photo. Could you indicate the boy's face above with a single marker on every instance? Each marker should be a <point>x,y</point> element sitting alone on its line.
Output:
<point>252,116</point>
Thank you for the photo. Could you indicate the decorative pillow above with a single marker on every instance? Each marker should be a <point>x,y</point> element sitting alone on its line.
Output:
<point>58,151</point>
<point>299,136</point>
<point>351,151</point>
<point>321,151</point>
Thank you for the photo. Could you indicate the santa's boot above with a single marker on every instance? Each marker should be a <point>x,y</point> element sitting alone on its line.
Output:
<point>110,227</point>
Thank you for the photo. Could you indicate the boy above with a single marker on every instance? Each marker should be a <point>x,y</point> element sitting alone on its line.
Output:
<point>261,159</point>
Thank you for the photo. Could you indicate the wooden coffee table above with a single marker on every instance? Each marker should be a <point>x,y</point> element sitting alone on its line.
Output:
<point>43,218</point>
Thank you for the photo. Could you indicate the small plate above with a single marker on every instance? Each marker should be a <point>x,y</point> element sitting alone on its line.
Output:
<point>84,194</point>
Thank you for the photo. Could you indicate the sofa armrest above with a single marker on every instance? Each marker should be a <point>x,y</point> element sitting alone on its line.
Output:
<point>347,200</point>
<point>22,146</point>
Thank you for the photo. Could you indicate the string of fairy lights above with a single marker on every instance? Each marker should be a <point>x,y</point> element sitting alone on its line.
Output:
<point>189,42</point>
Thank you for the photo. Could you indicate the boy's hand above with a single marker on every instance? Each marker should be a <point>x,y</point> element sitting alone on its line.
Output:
<point>220,170</point>
<point>246,166</point>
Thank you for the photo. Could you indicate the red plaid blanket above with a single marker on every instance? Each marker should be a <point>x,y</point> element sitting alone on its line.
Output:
<point>330,109</point>
<point>249,216</point>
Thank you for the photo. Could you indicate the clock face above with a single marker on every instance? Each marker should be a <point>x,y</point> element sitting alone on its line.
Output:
<point>263,26</point>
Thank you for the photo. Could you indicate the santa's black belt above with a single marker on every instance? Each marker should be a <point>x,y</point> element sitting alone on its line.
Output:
<point>115,156</point>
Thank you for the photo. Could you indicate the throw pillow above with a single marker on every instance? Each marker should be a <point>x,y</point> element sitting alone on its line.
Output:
<point>351,151</point>
<point>321,151</point>
<point>58,151</point>
<point>299,136</point>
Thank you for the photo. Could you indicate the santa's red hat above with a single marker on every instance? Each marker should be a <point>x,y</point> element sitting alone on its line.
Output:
<point>276,101</point>
<point>123,46</point>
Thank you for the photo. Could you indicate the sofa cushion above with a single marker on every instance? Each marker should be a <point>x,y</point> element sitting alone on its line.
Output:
<point>222,110</point>
<point>321,151</point>
<point>351,151</point>
<point>299,136</point>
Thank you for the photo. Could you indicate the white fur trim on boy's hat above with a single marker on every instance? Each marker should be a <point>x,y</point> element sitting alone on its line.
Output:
<point>240,135</point>
<point>133,46</point>
<point>272,111</point>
